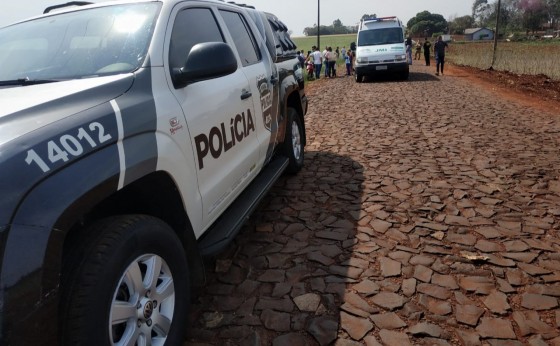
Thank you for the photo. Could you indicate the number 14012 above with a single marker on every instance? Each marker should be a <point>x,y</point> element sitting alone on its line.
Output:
<point>68,146</point>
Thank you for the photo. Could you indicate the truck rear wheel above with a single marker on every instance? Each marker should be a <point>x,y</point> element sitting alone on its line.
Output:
<point>129,286</point>
<point>293,143</point>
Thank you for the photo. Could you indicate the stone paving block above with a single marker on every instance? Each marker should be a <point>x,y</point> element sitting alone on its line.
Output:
<point>359,302</point>
<point>497,302</point>
<point>468,338</point>
<point>423,273</point>
<point>538,301</point>
<point>324,329</point>
<point>388,320</point>
<point>495,328</point>
<point>376,221</point>
<point>356,327</point>
<point>277,321</point>
<point>391,338</point>
<point>387,300</point>
<point>371,341</point>
<point>447,281</point>
<point>291,339</point>
<point>389,267</point>
<point>468,314</point>
<point>308,302</point>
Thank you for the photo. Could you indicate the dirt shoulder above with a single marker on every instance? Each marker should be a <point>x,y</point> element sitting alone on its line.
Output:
<point>537,91</point>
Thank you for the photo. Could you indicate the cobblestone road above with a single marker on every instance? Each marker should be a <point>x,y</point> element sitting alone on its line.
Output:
<point>428,213</point>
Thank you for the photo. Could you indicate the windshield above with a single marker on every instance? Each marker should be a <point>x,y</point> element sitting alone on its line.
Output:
<point>84,43</point>
<point>380,36</point>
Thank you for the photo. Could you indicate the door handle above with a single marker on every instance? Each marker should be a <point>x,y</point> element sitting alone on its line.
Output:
<point>246,94</point>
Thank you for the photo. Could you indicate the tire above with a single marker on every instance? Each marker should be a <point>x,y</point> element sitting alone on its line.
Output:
<point>109,292</point>
<point>293,147</point>
<point>404,75</point>
<point>359,77</point>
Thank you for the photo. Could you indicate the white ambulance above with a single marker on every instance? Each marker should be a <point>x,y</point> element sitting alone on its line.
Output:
<point>380,48</point>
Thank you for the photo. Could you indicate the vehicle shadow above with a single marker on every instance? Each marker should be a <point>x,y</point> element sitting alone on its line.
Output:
<point>285,276</point>
<point>413,77</point>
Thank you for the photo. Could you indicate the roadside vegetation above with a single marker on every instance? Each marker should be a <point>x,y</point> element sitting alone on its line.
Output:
<point>306,42</point>
<point>532,58</point>
<point>525,57</point>
<point>529,35</point>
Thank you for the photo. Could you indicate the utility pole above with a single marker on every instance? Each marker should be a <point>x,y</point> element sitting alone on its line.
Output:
<point>319,25</point>
<point>496,35</point>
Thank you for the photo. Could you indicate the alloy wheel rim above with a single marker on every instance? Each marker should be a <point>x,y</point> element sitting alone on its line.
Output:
<point>143,303</point>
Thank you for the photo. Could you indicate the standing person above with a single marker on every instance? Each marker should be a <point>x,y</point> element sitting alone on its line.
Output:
<point>418,52</point>
<point>343,52</point>
<point>348,61</point>
<point>408,44</point>
<point>326,60</point>
<point>427,51</point>
<point>439,51</point>
<point>332,63</point>
<point>337,51</point>
<point>317,61</point>
<point>353,50</point>
<point>301,59</point>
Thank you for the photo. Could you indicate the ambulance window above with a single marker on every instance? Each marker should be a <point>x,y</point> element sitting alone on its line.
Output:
<point>192,26</point>
<point>242,37</point>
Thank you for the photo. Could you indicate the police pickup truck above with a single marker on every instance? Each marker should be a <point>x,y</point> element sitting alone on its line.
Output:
<point>135,139</point>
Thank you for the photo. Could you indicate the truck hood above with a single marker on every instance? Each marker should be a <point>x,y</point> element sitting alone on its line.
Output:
<point>24,109</point>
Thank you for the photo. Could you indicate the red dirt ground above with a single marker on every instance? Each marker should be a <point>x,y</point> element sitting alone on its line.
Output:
<point>538,91</point>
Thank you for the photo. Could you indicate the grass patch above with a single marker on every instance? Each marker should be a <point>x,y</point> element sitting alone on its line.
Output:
<point>333,41</point>
<point>517,57</point>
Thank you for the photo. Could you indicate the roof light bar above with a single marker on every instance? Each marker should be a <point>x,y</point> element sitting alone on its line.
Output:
<point>379,19</point>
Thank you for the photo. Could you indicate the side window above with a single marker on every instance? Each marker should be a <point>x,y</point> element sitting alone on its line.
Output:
<point>192,26</point>
<point>242,37</point>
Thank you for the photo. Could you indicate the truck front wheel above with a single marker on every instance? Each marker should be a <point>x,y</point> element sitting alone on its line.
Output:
<point>293,143</point>
<point>128,286</point>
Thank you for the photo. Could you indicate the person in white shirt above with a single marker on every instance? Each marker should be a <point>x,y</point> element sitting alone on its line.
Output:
<point>326,60</point>
<point>317,61</point>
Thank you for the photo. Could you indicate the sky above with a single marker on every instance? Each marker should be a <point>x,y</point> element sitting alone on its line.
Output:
<point>296,14</point>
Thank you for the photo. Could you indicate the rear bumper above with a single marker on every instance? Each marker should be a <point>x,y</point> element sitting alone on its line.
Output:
<point>373,69</point>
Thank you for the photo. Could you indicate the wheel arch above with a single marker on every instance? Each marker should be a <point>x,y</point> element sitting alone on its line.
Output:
<point>292,100</point>
<point>155,194</point>
<point>52,218</point>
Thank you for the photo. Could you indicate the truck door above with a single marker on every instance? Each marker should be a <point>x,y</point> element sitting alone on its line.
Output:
<point>220,116</point>
<point>259,70</point>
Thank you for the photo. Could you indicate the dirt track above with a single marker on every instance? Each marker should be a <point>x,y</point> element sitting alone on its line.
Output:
<point>428,213</point>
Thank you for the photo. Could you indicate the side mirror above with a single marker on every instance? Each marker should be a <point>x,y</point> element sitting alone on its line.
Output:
<point>205,61</point>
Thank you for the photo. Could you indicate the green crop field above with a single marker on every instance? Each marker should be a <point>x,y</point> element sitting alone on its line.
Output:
<point>305,43</point>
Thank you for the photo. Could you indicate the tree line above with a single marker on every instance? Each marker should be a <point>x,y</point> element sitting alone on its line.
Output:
<point>515,16</point>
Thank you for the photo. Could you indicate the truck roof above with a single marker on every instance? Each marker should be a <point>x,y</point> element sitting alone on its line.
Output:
<point>381,22</point>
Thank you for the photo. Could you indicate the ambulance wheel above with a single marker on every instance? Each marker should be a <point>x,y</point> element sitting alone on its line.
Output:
<point>359,77</point>
<point>404,75</point>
